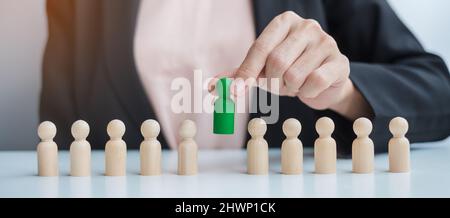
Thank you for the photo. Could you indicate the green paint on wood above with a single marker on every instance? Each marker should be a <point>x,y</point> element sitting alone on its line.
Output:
<point>224,109</point>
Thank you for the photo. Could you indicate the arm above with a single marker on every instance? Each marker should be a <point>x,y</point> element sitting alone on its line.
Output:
<point>391,70</point>
<point>367,64</point>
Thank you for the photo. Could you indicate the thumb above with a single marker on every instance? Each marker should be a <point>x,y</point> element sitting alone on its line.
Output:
<point>213,82</point>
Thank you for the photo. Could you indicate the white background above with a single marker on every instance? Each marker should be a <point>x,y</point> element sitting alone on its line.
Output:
<point>23,34</point>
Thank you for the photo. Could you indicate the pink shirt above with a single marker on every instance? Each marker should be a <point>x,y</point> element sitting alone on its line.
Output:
<point>173,38</point>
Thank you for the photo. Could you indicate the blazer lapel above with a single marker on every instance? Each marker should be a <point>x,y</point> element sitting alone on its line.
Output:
<point>119,27</point>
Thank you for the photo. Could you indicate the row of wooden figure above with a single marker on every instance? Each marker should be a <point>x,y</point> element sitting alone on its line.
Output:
<point>257,148</point>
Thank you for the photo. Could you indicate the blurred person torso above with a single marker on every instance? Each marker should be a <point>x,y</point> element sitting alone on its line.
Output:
<point>173,38</point>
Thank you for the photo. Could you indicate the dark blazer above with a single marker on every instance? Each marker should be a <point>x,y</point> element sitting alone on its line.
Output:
<point>89,71</point>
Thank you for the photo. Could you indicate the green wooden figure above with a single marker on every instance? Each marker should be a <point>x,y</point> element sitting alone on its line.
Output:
<point>224,109</point>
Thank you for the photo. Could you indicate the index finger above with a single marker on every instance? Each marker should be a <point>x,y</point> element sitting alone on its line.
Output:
<point>273,35</point>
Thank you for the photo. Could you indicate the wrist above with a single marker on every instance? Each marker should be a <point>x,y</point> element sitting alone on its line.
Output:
<point>352,104</point>
<point>341,105</point>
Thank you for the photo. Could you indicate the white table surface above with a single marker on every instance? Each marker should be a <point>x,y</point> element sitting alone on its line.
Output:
<point>222,174</point>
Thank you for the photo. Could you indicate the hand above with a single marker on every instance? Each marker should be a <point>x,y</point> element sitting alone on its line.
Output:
<point>307,62</point>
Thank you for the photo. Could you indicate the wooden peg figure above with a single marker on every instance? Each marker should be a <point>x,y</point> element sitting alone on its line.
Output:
<point>257,148</point>
<point>325,154</point>
<point>224,109</point>
<point>292,148</point>
<point>47,150</point>
<point>115,150</point>
<point>187,150</point>
<point>399,148</point>
<point>150,149</point>
<point>363,148</point>
<point>80,150</point>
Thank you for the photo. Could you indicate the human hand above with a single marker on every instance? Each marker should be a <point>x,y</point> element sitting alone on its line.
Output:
<point>306,61</point>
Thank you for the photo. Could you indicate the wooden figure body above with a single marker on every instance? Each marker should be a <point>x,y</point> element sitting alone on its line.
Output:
<point>325,154</point>
<point>80,150</point>
<point>47,150</point>
<point>150,149</point>
<point>292,148</point>
<point>115,150</point>
<point>399,146</point>
<point>224,109</point>
<point>363,148</point>
<point>257,148</point>
<point>187,149</point>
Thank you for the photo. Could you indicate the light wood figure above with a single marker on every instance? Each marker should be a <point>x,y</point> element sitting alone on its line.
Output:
<point>399,148</point>
<point>362,148</point>
<point>80,150</point>
<point>292,148</point>
<point>150,149</point>
<point>187,149</point>
<point>115,150</point>
<point>325,154</point>
<point>47,150</point>
<point>257,148</point>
